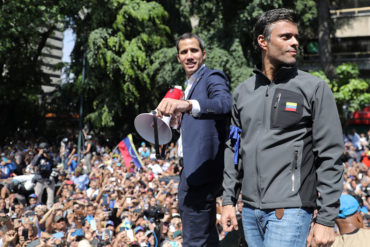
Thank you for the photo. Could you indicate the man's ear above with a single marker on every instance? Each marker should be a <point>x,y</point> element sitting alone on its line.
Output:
<point>359,219</point>
<point>178,58</point>
<point>262,42</point>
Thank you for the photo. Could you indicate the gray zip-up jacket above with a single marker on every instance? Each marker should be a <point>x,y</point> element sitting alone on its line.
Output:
<point>290,144</point>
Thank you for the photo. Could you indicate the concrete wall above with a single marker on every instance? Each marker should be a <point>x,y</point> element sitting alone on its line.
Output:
<point>352,26</point>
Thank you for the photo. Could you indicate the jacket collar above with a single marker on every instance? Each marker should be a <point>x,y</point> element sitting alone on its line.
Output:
<point>284,73</point>
<point>197,77</point>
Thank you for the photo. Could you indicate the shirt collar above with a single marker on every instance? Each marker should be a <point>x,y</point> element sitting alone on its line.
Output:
<point>194,76</point>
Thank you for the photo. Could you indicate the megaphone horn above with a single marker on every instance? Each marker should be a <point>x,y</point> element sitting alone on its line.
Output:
<point>144,125</point>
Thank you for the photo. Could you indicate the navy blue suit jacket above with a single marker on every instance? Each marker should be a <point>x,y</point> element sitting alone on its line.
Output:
<point>204,137</point>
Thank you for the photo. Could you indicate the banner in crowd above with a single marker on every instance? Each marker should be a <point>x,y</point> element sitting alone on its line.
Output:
<point>129,153</point>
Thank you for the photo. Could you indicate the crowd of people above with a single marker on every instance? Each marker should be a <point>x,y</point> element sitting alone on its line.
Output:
<point>356,160</point>
<point>97,200</point>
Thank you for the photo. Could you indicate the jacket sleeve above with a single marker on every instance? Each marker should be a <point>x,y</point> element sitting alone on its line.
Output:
<point>219,98</point>
<point>35,160</point>
<point>328,147</point>
<point>233,174</point>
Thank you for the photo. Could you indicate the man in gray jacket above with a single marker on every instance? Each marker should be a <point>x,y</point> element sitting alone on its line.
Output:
<point>285,143</point>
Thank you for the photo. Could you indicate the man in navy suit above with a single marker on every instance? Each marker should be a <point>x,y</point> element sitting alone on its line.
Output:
<point>204,124</point>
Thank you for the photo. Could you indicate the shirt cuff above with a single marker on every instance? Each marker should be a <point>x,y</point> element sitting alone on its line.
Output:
<point>196,108</point>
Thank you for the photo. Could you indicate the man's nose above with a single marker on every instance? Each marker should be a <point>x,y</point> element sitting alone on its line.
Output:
<point>189,55</point>
<point>295,42</point>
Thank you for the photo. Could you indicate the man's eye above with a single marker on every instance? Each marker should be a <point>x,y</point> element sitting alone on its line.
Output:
<point>289,36</point>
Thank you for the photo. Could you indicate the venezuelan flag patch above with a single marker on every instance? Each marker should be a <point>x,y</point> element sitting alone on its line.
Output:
<point>291,106</point>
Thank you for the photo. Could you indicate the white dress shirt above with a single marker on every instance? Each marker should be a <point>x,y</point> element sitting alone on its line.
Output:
<point>195,109</point>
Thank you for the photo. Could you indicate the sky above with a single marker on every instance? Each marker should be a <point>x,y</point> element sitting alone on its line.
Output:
<point>68,44</point>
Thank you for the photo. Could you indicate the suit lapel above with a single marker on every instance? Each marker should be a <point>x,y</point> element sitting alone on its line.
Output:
<point>196,82</point>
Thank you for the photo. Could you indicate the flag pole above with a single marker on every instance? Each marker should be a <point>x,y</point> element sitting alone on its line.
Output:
<point>114,149</point>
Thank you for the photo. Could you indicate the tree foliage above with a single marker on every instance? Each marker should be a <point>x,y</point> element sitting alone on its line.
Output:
<point>351,93</point>
<point>130,53</point>
<point>119,46</point>
<point>25,26</point>
<point>227,28</point>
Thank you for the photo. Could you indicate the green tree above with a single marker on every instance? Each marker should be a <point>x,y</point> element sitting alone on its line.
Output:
<point>227,29</point>
<point>132,56</point>
<point>351,93</point>
<point>119,36</point>
<point>25,26</point>
<point>211,21</point>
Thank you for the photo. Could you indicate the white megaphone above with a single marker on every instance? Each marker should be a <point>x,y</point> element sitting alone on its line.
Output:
<point>145,123</point>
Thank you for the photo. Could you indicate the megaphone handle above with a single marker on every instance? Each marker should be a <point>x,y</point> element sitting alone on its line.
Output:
<point>156,143</point>
<point>163,155</point>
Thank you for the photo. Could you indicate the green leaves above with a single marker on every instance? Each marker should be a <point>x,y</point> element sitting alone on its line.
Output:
<point>131,55</point>
<point>350,92</point>
<point>25,26</point>
<point>232,64</point>
<point>119,58</point>
<point>132,63</point>
<point>355,94</point>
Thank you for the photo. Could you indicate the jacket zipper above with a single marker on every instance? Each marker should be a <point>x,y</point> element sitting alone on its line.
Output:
<point>258,145</point>
<point>294,165</point>
<point>276,108</point>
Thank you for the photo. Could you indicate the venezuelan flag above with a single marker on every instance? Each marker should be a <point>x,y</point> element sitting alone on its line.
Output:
<point>291,106</point>
<point>129,153</point>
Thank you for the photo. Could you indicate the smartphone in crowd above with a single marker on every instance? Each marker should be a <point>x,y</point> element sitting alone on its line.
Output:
<point>105,199</point>
<point>25,234</point>
<point>130,235</point>
<point>108,233</point>
<point>93,225</point>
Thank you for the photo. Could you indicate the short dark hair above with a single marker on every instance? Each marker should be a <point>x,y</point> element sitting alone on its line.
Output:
<point>264,22</point>
<point>190,36</point>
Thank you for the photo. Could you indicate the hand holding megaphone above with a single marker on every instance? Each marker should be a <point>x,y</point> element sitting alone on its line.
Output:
<point>170,105</point>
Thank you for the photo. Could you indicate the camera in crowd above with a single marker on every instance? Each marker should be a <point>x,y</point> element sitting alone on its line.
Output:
<point>44,146</point>
<point>41,178</point>
<point>54,173</point>
<point>16,187</point>
<point>156,214</point>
